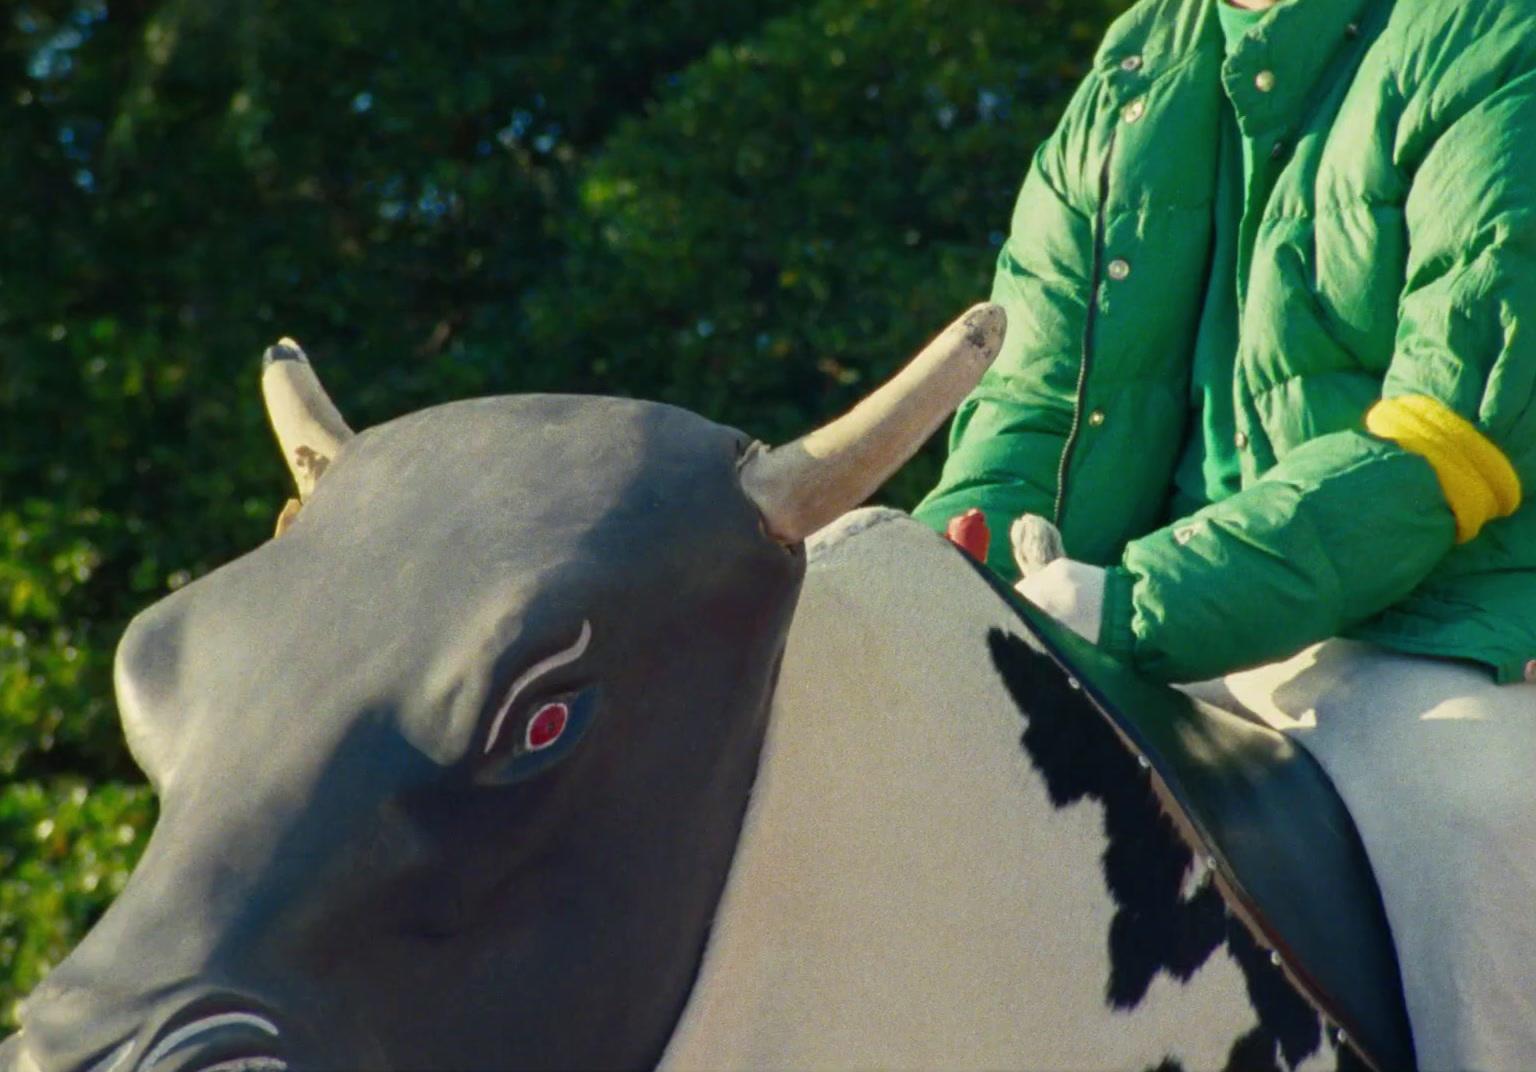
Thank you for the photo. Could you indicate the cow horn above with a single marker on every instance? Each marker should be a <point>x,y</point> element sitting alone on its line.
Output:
<point>309,428</point>
<point>800,487</point>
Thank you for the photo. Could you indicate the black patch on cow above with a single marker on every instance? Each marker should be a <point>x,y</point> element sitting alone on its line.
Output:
<point>1283,1014</point>
<point>1154,930</point>
<point>1254,1052</point>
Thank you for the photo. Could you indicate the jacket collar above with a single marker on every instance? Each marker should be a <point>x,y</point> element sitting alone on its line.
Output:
<point>1295,45</point>
<point>1276,70</point>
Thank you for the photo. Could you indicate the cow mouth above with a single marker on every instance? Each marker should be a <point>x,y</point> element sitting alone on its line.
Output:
<point>223,1042</point>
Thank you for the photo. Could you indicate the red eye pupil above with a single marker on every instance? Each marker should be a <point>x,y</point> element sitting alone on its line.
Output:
<point>545,728</point>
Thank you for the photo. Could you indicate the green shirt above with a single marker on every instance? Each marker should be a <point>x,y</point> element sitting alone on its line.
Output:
<point>1208,469</point>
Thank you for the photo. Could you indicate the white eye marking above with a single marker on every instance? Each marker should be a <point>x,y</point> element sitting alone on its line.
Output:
<point>536,671</point>
<point>210,1023</point>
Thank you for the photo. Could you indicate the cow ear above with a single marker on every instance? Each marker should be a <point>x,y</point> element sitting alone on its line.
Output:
<point>537,737</point>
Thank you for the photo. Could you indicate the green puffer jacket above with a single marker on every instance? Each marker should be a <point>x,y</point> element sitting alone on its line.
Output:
<point>1387,250</point>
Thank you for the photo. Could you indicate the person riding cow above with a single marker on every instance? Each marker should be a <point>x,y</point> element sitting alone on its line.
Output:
<point>540,737</point>
<point>1271,374</point>
<point>1267,387</point>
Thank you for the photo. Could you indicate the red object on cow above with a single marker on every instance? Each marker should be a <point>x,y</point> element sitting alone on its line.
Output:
<point>969,532</point>
<point>545,728</point>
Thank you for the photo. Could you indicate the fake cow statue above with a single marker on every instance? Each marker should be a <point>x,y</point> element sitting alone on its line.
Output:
<point>540,738</point>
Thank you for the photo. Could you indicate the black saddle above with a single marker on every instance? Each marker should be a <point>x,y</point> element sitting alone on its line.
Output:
<point>1285,853</point>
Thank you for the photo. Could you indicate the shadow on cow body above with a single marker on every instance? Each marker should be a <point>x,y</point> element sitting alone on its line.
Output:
<point>468,746</point>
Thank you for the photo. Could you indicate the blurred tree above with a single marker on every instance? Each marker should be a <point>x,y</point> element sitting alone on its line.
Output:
<point>754,209</point>
<point>803,210</point>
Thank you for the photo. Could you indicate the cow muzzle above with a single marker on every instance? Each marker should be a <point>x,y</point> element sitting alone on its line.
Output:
<point>226,1041</point>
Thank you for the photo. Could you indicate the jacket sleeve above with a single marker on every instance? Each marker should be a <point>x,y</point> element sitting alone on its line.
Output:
<point>1351,522</point>
<point>1009,433</point>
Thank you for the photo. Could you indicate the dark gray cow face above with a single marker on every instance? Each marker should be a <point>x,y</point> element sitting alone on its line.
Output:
<point>486,715</point>
<point>452,770</point>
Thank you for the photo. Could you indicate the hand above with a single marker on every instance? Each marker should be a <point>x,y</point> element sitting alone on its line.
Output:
<point>1071,592</point>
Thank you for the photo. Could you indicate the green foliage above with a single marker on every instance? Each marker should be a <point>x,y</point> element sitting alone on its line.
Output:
<point>804,209</point>
<point>66,849</point>
<point>755,209</point>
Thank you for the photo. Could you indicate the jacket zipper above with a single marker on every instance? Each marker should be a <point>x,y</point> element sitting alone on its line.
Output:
<point>1090,320</point>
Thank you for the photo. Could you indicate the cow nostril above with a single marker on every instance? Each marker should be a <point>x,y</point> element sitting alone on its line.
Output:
<point>115,1060</point>
<point>222,1054</point>
<point>243,1065</point>
<point>224,1042</point>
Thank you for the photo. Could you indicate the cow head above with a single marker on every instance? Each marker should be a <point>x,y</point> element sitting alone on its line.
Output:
<point>452,769</point>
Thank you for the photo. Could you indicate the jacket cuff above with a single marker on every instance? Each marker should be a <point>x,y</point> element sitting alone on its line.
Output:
<point>1115,634</point>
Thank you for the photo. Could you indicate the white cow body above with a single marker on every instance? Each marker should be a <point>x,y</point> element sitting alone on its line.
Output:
<point>906,895</point>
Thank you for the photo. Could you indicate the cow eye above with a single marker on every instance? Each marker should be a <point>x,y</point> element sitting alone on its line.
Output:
<point>546,726</point>
<point>536,737</point>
